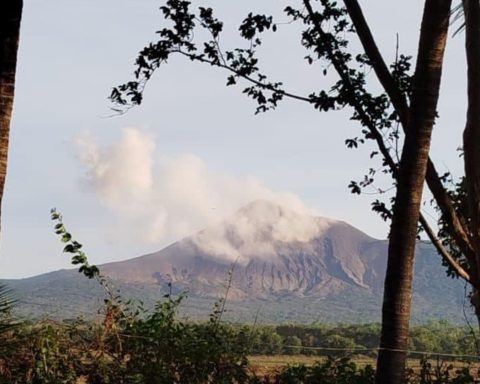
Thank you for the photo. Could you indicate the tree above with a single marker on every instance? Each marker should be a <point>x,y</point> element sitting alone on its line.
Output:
<point>407,101</point>
<point>10,17</point>
<point>471,140</point>
<point>406,211</point>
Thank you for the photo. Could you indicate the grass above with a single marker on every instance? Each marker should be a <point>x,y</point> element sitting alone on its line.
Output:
<point>267,364</point>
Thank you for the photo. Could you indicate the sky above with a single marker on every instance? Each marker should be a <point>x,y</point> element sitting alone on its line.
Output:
<point>193,152</point>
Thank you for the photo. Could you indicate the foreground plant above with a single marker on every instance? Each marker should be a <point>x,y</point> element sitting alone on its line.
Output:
<point>157,347</point>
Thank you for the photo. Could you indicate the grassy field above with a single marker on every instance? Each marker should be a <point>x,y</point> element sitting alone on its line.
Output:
<point>268,364</point>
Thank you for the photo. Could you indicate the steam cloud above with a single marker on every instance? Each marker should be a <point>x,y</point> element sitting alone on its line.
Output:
<point>160,202</point>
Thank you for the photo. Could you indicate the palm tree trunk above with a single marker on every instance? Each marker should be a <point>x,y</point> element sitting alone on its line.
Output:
<point>413,166</point>
<point>10,17</point>
<point>471,134</point>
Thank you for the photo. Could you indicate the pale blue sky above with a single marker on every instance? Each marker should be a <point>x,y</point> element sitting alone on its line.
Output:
<point>73,51</point>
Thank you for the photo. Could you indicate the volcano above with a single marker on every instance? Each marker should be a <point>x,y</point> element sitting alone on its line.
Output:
<point>293,265</point>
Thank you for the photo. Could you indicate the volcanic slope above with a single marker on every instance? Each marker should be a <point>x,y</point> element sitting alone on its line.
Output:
<point>278,263</point>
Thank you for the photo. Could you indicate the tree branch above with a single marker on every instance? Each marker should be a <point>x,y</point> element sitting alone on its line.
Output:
<point>342,71</point>
<point>443,251</point>
<point>457,228</point>
<point>438,188</point>
<point>219,64</point>
<point>398,100</point>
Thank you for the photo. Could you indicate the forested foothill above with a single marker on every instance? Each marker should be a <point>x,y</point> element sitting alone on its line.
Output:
<point>130,346</point>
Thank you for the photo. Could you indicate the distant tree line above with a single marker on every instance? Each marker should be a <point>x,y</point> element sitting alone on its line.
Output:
<point>159,347</point>
<point>436,336</point>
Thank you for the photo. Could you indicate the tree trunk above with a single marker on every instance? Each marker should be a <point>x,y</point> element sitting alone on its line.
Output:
<point>10,17</point>
<point>475,302</point>
<point>413,166</point>
<point>471,134</point>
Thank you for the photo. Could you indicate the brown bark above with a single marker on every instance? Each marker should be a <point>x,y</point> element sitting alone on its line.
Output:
<point>398,100</point>
<point>471,134</point>
<point>406,213</point>
<point>10,17</point>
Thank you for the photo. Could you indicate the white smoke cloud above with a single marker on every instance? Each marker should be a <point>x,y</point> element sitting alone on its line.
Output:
<point>255,230</point>
<point>161,202</point>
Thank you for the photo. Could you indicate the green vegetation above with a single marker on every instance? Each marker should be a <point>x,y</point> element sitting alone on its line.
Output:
<point>124,348</point>
<point>435,337</point>
<point>132,345</point>
<point>157,347</point>
<point>6,304</point>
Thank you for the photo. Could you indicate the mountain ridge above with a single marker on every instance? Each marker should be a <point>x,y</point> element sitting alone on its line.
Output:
<point>318,255</point>
<point>295,266</point>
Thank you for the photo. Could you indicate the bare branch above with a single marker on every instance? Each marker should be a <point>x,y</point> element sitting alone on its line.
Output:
<point>398,100</point>
<point>443,251</point>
